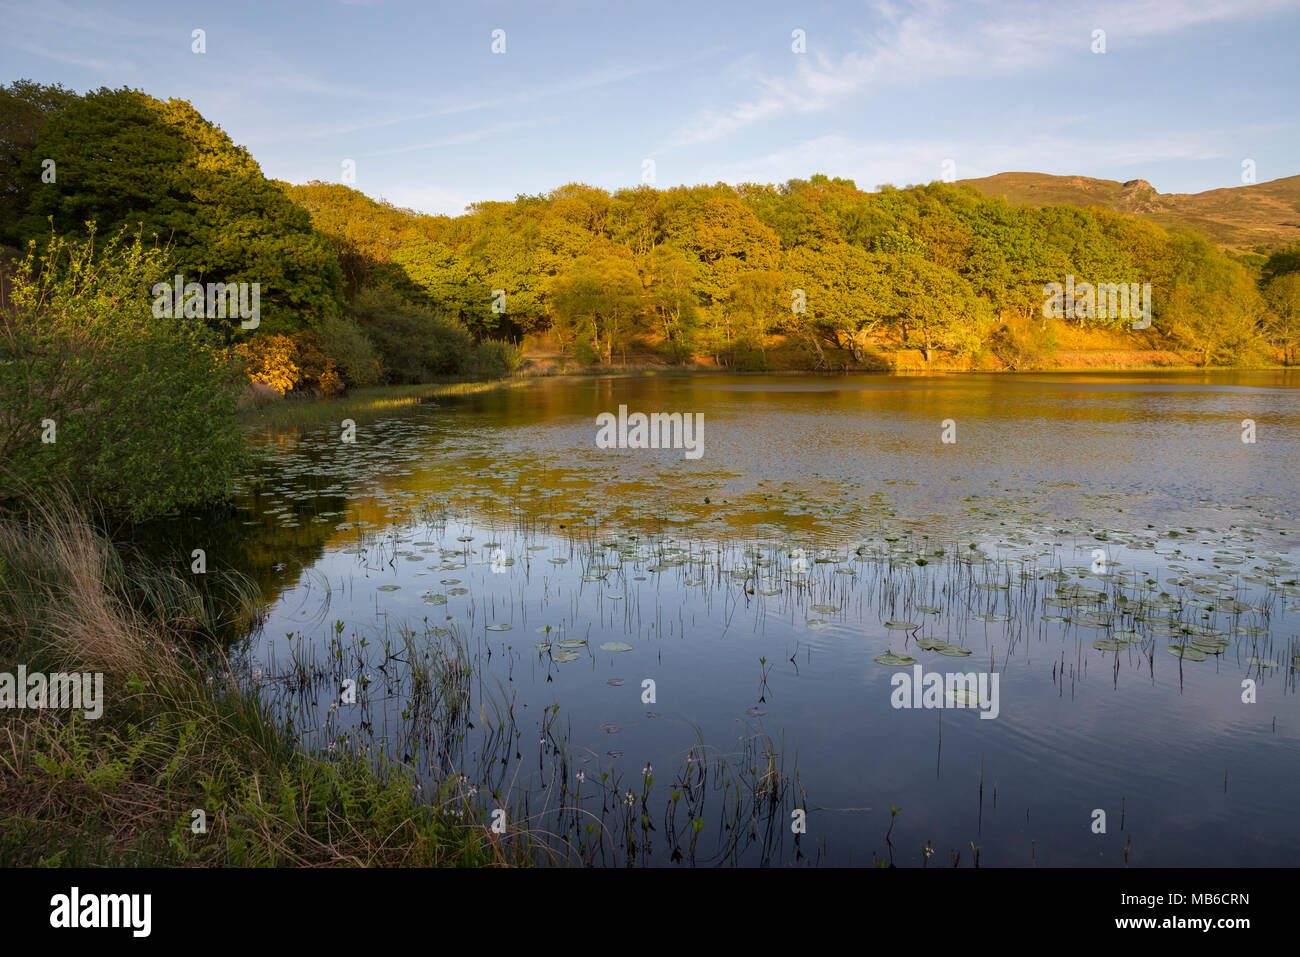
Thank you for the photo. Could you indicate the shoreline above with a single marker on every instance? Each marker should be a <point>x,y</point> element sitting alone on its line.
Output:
<point>297,410</point>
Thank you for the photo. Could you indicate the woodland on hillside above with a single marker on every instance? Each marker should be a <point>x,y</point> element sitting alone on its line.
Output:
<point>357,292</point>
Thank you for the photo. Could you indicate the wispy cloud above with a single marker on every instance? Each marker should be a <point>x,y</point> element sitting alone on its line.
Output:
<point>462,138</point>
<point>522,98</point>
<point>113,65</point>
<point>932,40</point>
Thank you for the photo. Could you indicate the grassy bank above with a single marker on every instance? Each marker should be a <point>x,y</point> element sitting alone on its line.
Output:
<point>361,403</point>
<point>178,733</point>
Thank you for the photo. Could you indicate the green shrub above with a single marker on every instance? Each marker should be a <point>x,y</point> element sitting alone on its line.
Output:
<point>753,360</point>
<point>415,343</point>
<point>496,358</point>
<point>136,411</point>
<point>343,341</point>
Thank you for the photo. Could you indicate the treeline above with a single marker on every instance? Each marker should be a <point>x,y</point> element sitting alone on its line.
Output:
<point>357,292</point>
<point>719,271</point>
<point>129,163</point>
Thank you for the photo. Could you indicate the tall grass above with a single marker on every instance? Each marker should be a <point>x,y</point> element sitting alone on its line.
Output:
<point>179,734</point>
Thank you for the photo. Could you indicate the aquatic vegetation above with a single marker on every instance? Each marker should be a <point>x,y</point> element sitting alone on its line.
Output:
<point>622,568</point>
<point>889,658</point>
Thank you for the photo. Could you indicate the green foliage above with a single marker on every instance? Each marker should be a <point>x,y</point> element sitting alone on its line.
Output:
<point>318,372</point>
<point>494,358</point>
<point>1212,307</point>
<point>924,268</point>
<point>415,343</point>
<point>24,109</point>
<point>127,159</point>
<point>689,271</point>
<point>670,279</point>
<point>597,302</point>
<point>343,341</point>
<point>1282,296</point>
<point>444,279</point>
<point>1283,261</point>
<point>1022,343</point>
<point>141,410</point>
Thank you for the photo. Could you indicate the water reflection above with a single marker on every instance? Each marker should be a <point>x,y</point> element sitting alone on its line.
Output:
<point>465,563</point>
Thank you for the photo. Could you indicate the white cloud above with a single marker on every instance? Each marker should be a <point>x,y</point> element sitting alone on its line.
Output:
<point>933,40</point>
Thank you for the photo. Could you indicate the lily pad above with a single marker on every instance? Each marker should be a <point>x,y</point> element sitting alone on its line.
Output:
<point>954,651</point>
<point>893,660</point>
<point>615,646</point>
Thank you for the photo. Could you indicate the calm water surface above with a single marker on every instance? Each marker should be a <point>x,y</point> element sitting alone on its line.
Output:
<point>1078,527</point>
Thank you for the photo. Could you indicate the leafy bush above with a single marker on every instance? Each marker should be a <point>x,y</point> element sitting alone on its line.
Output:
<point>136,410</point>
<point>342,340</point>
<point>753,360</point>
<point>496,358</point>
<point>271,361</point>
<point>318,371</point>
<point>415,343</point>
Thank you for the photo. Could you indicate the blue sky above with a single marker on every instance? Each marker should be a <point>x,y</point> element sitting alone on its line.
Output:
<point>587,91</point>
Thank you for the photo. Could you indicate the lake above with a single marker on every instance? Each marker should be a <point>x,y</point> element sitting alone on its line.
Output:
<point>648,657</point>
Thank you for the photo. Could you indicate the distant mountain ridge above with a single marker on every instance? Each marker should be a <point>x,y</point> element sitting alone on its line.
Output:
<point>1238,217</point>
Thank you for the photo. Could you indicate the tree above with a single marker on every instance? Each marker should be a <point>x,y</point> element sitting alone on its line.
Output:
<point>1282,295</point>
<point>127,159</point>
<point>415,342</point>
<point>763,296</point>
<point>95,390</point>
<point>1281,262</point>
<point>596,302</point>
<point>670,298</point>
<point>1212,306</point>
<point>1022,343</point>
<point>726,238</point>
<point>25,107</point>
<point>935,305</point>
<point>446,281</point>
<point>364,233</point>
<point>842,296</point>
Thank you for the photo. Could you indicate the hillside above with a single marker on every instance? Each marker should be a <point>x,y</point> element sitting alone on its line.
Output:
<point>1239,217</point>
